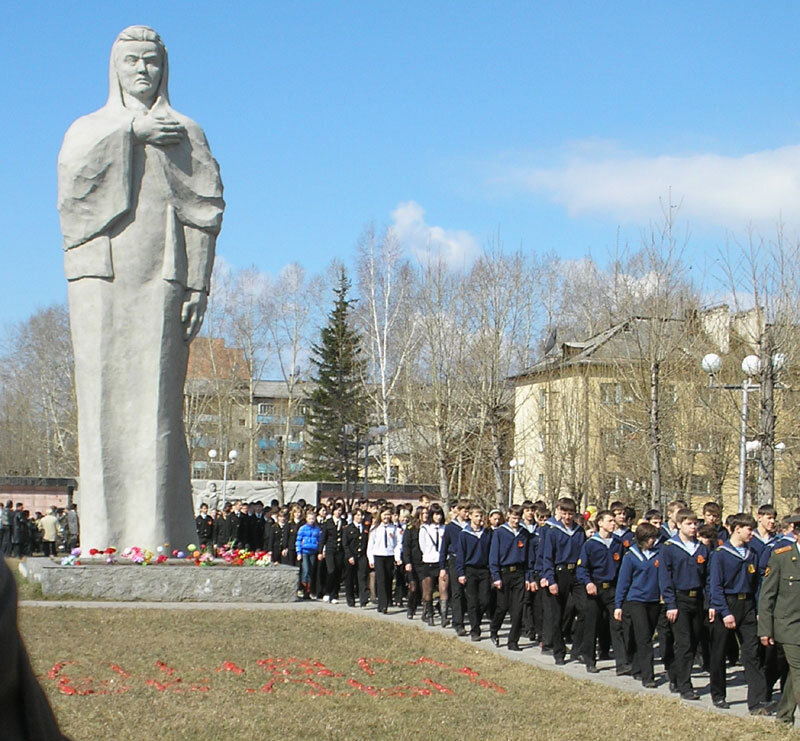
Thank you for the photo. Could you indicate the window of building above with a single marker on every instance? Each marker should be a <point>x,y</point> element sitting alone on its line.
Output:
<point>266,408</point>
<point>242,422</point>
<point>542,399</point>
<point>699,485</point>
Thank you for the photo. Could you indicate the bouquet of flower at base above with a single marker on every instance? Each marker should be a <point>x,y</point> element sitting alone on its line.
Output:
<point>73,559</point>
<point>138,555</point>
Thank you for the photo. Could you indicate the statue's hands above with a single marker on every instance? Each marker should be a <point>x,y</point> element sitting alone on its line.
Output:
<point>161,131</point>
<point>192,313</point>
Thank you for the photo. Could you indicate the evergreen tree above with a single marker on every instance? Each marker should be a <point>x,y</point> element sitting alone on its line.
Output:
<point>337,406</point>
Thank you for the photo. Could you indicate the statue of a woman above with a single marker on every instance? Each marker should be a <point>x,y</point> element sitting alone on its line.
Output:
<point>140,200</point>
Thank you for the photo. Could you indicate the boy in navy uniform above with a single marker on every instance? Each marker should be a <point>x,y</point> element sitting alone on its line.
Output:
<point>447,568</point>
<point>733,583</point>
<point>712,515</point>
<point>598,566</point>
<point>682,564</point>
<point>472,565</point>
<point>528,523</point>
<point>561,549</point>
<point>511,568</point>
<point>666,639</point>
<point>205,526</point>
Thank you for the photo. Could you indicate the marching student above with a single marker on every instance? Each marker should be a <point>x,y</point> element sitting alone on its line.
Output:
<point>623,516</point>
<point>431,537</point>
<point>412,561</point>
<point>712,515</point>
<point>598,565</point>
<point>733,583</point>
<point>447,568</point>
<point>511,568</point>
<point>356,568</point>
<point>682,564</point>
<point>666,639</point>
<point>472,566</point>
<point>638,595</point>
<point>333,552</point>
<point>536,633</point>
<point>528,522</point>
<point>767,531</point>
<point>560,551</point>
<point>383,553</point>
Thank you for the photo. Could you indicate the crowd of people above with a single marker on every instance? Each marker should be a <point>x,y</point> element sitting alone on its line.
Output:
<point>55,531</point>
<point>578,586</point>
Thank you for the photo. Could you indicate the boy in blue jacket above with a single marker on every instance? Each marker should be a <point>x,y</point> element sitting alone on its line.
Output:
<point>682,563</point>
<point>472,565</point>
<point>561,549</point>
<point>637,595</point>
<point>597,570</point>
<point>511,567</point>
<point>732,586</point>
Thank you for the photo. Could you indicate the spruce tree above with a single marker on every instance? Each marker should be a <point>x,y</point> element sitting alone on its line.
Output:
<point>338,398</point>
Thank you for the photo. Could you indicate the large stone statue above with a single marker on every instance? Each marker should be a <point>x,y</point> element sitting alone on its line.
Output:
<point>140,200</point>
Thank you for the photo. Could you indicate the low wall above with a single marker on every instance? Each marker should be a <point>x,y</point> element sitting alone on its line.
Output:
<point>165,583</point>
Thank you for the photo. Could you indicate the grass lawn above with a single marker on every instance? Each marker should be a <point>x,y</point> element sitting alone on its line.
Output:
<point>160,674</point>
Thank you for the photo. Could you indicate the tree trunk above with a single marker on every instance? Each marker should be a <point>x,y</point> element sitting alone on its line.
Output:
<point>497,463</point>
<point>441,462</point>
<point>766,463</point>
<point>655,436</point>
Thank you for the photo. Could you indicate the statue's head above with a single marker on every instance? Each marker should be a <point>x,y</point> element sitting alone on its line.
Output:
<point>139,65</point>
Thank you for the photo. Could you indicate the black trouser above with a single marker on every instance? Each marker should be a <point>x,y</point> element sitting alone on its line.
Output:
<point>384,570</point>
<point>477,589</point>
<point>743,610</point>
<point>510,599</point>
<point>686,630</point>
<point>400,587</point>
<point>644,618</point>
<point>541,616</point>
<point>563,608</point>
<point>49,548</point>
<point>334,564</point>
<point>597,609</point>
<point>350,582</point>
<point>666,643</point>
<point>457,598</point>
<point>18,550</point>
<point>363,581</point>
<point>529,622</point>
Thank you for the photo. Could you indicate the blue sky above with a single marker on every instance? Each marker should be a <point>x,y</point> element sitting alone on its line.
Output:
<point>557,125</point>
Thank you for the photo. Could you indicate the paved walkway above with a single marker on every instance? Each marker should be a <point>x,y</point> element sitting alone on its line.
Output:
<point>530,654</point>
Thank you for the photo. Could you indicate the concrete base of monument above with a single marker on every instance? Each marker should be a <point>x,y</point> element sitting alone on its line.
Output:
<point>163,582</point>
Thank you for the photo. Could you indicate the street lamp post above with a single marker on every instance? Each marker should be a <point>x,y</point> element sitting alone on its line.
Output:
<point>373,434</point>
<point>513,465</point>
<point>751,366</point>
<point>232,456</point>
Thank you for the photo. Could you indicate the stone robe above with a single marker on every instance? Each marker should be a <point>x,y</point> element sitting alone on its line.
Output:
<point>139,223</point>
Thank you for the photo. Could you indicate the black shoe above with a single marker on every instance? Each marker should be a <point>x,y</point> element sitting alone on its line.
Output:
<point>560,661</point>
<point>763,708</point>
<point>592,668</point>
<point>673,686</point>
<point>514,647</point>
<point>475,637</point>
<point>721,703</point>
<point>460,631</point>
<point>605,656</point>
<point>351,604</point>
<point>624,671</point>
<point>495,639</point>
<point>547,650</point>
<point>690,695</point>
<point>651,685</point>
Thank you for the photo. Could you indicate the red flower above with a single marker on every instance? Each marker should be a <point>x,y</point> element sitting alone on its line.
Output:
<point>93,551</point>
<point>700,558</point>
<point>616,556</point>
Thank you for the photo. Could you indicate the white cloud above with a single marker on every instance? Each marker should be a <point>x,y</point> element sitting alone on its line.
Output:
<point>759,188</point>
<point>455,247</point>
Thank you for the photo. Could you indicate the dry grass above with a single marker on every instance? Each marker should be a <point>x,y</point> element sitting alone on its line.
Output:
<point>197,643</point>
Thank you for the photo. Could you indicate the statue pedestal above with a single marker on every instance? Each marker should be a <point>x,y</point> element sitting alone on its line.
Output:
<point>163,582</point>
